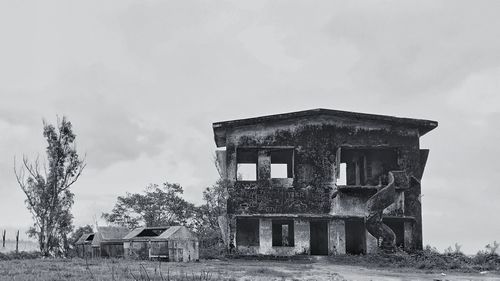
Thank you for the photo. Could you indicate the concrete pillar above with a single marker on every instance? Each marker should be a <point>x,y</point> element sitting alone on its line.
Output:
<point>302,236</point>
<point>231,164</point>
<point>336,234</point>
<point>371,244</point>
<point>408,235</point>
<point>221,163</point>
<point>265,236</point>
<point>232,230</point>
<point>264,165</point>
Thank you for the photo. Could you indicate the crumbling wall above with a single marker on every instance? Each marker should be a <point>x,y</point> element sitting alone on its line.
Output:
<point>301,239</point>
<point>315,144</point>
<point>336,237</point>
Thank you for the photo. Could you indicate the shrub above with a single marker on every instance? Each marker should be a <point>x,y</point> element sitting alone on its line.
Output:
<point>20,255</point>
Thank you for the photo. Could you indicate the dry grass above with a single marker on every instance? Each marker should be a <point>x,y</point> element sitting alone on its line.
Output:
<point>213,270</point>
<point>117,269</point>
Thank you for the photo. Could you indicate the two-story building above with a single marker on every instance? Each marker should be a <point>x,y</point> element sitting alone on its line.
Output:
<point>322,182</point>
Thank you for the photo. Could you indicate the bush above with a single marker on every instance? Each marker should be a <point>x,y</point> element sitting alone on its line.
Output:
<point>20,256</point>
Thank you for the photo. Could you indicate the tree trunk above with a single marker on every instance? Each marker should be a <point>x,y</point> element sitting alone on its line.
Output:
<point>17,242</point>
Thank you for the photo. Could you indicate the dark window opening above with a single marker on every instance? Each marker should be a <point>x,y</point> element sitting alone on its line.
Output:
<point>151,232</point>
<point>398,227</point>
<point>319,237</point>
<point>355,237</point>
<point>90,237</point>
<point>367,166</point>
<point>246,159</point>
<point>282,163</point>
<point>283,234</point>
<point>247,232</point>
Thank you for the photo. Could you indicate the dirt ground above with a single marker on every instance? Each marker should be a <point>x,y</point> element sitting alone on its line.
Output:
<point>77,269</point>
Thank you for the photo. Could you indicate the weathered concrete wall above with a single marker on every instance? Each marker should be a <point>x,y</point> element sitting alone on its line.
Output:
<point>398,207</point>
<point>408,232</point>
<point>371,244</point>
<point>349,205</point>
<point>301,239</point>
<point>251,198</point>
<point>302,236</point>
<point>336,235</point>
<point>315,146</point>
<point>136,249</point>
<point>189,250</point>
<point>266,237</point>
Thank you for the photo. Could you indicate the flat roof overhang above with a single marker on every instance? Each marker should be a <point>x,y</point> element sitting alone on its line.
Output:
<point>219,128</point>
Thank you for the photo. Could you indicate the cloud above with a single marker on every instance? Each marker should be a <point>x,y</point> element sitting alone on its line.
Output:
<point>477,94</point>
<point>418,46</point>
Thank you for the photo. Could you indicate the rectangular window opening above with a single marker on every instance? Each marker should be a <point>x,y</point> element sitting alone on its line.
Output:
<point>367,165</point>
<point>342,180</point>
<point>283,234</point>
<point>246,159</point>
<point>282,163</point>
<point>247,232</point>
<point>247,172</point>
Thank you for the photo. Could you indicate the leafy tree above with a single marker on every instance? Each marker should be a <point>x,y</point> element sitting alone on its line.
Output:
<point>79,232</point>
<point>75,236</point>
<point>206,220</point>
<point>492,248</point>
<point>215,205</point>
<point>48,194</point>
<point>158,205</point>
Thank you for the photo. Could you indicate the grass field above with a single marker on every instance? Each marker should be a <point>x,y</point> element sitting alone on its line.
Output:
<point>115,269</point>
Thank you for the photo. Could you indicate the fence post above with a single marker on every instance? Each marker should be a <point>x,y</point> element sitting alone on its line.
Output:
<point>17,242</point>
<point>3,239</point>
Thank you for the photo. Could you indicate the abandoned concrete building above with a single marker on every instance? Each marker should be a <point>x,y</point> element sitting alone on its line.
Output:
<point>322,182</point>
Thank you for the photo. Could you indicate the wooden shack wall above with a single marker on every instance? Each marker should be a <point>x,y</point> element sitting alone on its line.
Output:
<point>175,250</point>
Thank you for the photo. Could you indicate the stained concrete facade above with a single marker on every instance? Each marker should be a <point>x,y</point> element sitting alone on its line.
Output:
<point>322,182</point>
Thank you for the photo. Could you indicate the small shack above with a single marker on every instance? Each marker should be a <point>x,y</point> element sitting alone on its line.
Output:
<point>84,246</point>
<point>182,244</point>
<point>173,243</point>
<point>108,242</point>
<point>137,243</point>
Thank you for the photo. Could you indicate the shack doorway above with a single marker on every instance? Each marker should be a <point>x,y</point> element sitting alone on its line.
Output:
<point>319,238</point>
<point>355,237</point>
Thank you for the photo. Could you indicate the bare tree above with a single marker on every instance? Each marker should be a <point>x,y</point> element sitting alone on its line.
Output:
<point>47,188</point>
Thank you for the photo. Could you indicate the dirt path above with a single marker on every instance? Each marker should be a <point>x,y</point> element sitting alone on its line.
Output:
<point>361,274</point>
<point>264,270</point>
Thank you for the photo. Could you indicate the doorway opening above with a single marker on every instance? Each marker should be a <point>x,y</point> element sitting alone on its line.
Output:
<point>319,237</point>
<point>355,237</point>
<point>398,227</point>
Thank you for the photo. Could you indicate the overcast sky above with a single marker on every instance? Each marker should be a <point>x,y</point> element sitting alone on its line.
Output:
<point>142,82</point>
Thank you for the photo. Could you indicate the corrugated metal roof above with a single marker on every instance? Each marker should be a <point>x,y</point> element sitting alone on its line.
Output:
<point>178,232</point>
<point>109,233</point>
<point>83,238</point>
<point>134,233</point>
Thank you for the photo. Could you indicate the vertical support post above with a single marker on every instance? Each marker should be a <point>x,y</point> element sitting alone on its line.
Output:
<point>3,239</point>
<point>17,242</point>
<point>264,165</point>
